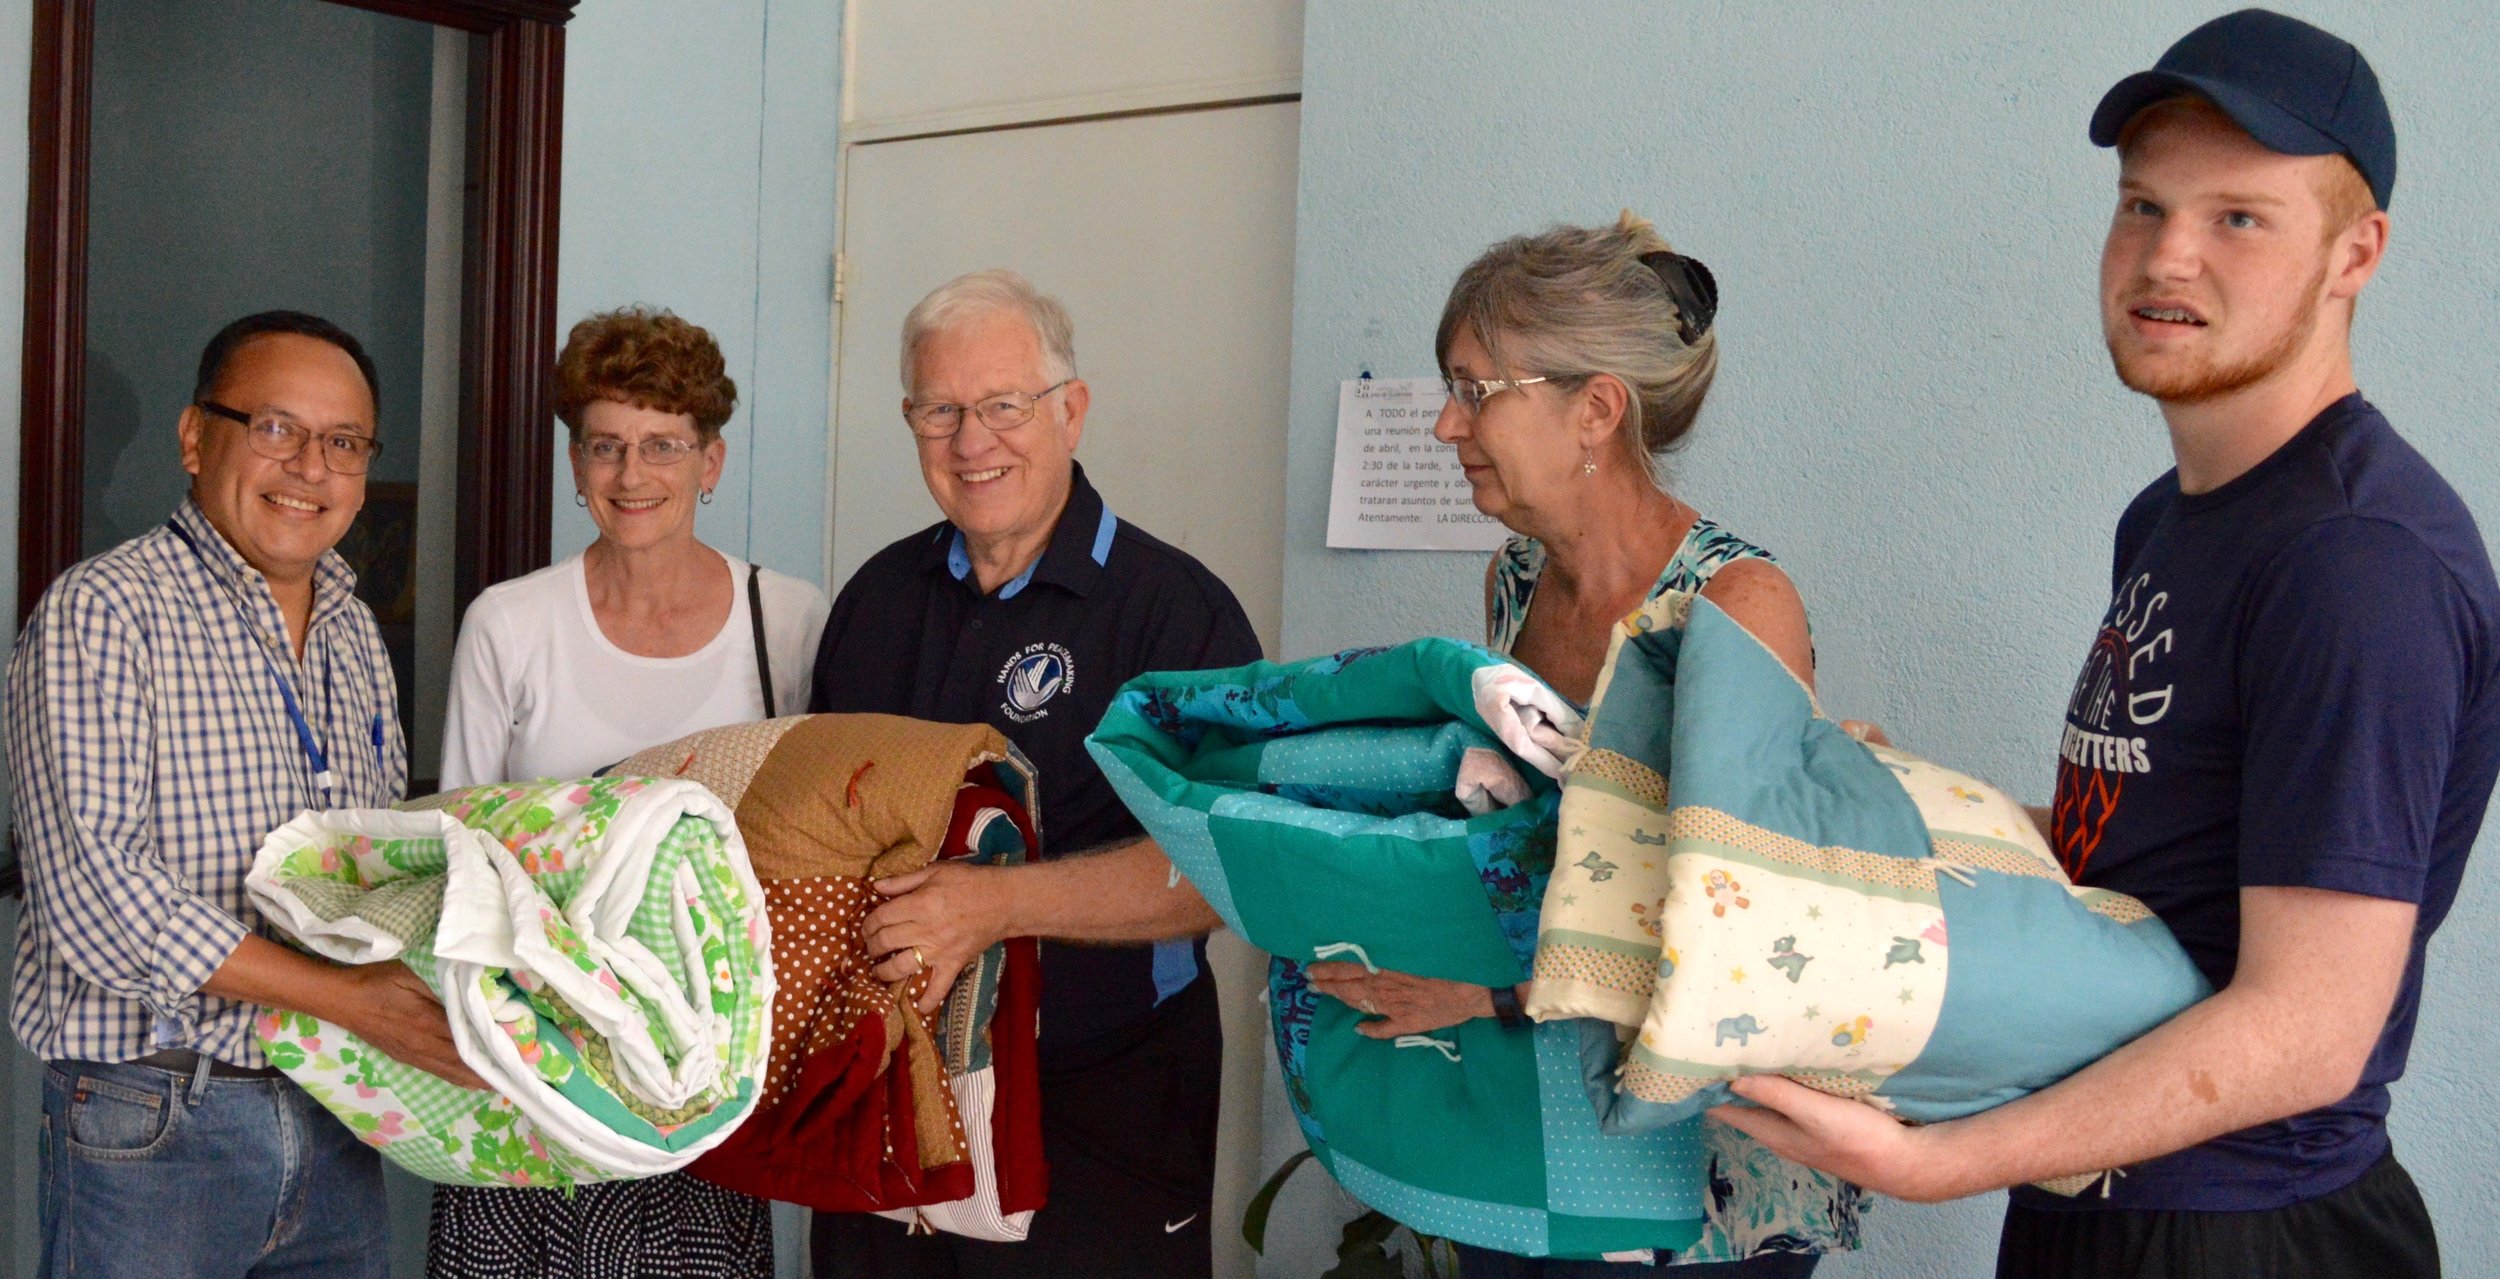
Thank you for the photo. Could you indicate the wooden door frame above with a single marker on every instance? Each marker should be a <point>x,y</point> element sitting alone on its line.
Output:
<point>508,287</point>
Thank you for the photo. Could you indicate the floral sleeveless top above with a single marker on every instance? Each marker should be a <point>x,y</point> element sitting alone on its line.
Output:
<point>1759,1203</point>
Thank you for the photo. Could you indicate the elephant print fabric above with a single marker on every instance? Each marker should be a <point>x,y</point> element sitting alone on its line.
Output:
<point>1801,903</point>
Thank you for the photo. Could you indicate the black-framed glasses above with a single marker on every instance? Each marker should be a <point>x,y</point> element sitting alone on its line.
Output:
<point>658,450</point>
<point>279,438</point>
<point>1471,393</point>
<point>1004,411</point>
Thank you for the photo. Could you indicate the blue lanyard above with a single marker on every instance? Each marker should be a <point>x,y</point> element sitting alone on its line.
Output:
<point>323,778</point>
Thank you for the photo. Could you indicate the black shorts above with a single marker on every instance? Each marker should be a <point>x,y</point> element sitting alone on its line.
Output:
<point>2375,1228</point>
<point>1129,1133</point>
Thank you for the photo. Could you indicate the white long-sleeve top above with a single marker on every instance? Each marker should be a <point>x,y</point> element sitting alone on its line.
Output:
<point>538,691</point>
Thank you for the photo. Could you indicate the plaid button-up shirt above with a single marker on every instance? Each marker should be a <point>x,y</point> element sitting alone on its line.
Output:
<point>153,752</point>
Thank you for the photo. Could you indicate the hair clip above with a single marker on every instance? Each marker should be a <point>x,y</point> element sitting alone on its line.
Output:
<point>1694,290</point>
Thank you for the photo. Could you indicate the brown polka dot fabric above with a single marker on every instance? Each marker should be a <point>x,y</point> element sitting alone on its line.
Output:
<point>827,991</point>
<point>825,804</point>
<point>825,987</point>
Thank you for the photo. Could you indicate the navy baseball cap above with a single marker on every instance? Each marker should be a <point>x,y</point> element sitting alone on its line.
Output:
<point>2295,89</point>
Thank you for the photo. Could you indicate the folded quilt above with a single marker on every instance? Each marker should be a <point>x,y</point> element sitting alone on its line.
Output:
<point>1314,804</point>
<point>985,1037</point>
<point>599,947</point>
<point>1750,890</point>
<point>859,1110</point>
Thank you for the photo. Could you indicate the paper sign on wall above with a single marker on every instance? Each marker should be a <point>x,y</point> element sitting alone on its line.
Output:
<point>1396,488</point>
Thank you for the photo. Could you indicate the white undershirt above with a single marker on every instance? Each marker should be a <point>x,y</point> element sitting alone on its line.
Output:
<point>538,691</point>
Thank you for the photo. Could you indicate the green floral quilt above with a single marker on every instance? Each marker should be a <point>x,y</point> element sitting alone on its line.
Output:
<point>600,946</point>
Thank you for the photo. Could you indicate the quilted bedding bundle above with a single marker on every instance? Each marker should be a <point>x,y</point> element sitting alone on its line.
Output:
<point>1315,806</point>
<point>601,950</point>
<point>1741,888</point>
<point>867,1106</point>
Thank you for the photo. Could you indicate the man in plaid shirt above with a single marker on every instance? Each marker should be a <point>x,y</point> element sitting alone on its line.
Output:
<point>170,702</point>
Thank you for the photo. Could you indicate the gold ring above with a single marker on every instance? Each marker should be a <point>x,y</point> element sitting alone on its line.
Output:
<point>920,960</point>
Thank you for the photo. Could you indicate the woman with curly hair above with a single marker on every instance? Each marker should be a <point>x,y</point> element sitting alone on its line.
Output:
<point>645,636</point>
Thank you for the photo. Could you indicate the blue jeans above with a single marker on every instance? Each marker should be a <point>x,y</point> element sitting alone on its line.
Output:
<point>1480,1263</point>
<point>149,1172</point>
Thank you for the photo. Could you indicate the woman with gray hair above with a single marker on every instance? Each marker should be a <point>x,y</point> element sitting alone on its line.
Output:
<point>1576,360</point>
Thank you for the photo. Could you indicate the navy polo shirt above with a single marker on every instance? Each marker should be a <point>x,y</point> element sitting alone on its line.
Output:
<point>912,634</point>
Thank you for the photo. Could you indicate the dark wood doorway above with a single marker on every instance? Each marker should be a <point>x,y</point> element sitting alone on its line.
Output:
<point>507,308</point>
<point>514,59</point>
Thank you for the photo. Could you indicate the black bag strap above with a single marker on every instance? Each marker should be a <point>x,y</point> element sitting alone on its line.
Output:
<point>755,614</point>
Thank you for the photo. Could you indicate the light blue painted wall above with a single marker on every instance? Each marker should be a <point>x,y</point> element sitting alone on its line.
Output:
<point>1912,407</point>
<point>699,168</point>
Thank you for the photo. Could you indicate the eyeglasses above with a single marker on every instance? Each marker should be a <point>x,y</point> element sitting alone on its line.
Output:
<point>659,450</point>
<point>1002,412</point>
<point>1471,393</point>
<point>279,438</point>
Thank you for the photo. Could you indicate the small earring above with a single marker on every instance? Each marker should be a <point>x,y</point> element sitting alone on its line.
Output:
<point>1588,462</point>
<point>706,499</point>
<point>580,498</point>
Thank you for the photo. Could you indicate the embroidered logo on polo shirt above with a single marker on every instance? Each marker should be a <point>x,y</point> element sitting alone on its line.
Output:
<point>1037,673</point>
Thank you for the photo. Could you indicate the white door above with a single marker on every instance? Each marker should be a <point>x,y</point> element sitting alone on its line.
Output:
<point>913,67</point>
<point>1170,238</point>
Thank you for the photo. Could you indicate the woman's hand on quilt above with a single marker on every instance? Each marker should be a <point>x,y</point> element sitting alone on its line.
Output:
<point>1395,1004</point>
<point>398,1013</point>
<point>938,920</point>
<point>1849,1139</point>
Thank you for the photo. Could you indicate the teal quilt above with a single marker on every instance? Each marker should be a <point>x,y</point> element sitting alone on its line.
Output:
<point>1313,804</point>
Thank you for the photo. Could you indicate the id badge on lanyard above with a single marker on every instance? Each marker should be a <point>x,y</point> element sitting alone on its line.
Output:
<point>325,778</point>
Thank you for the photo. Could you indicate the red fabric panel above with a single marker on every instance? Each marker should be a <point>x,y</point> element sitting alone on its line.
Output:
<point>1016,1122</point>
<point>842,1139</point>
<point>1016,1119</point>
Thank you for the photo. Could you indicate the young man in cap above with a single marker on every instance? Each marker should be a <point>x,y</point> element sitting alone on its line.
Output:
<point>2301,661</point>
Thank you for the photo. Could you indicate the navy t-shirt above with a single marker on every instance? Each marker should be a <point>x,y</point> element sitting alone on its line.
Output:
<point>1038,659</point>
<point>2294,686</point>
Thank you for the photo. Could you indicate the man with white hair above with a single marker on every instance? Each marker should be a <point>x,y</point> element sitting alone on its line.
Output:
<point>1026,608</point>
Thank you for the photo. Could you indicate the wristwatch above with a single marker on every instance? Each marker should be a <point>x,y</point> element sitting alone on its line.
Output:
<point>1506,1007</point>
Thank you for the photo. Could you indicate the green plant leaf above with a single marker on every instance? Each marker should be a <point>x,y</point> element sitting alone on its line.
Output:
<point>1254,1217</point>
<point>1437,1253</point>
<point>1363,1251</point>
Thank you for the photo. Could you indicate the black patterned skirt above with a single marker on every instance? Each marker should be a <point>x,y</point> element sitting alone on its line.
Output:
<point>674,1225</point>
